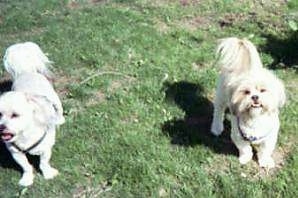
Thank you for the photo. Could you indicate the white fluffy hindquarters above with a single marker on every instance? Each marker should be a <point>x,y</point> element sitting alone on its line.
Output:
<point>26,58</point>
<point>237,55</point>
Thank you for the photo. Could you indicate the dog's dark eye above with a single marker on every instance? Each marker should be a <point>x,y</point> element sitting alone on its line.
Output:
<point>246,92</point>
<point>14,115</point>
<point>262,90</point>
<point>0,115</point>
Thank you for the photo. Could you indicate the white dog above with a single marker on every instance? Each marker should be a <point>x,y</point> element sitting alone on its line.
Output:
<point>253,95</point>
<point>30,112</point>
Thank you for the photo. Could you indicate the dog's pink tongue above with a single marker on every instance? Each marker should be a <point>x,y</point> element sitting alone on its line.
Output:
<point>6,136</point>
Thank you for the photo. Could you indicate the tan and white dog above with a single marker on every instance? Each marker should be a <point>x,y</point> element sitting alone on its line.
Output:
<point>30,113</point>
<point>253,95</point>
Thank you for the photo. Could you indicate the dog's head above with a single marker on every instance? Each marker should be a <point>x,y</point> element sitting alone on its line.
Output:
<point>257,94</point>
<point>20,112</point>
<point>15,115</point>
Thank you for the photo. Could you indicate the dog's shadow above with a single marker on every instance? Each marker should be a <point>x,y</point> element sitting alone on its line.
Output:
<point>6,160</point>
<point>194,128</point>
<point>283,50</point>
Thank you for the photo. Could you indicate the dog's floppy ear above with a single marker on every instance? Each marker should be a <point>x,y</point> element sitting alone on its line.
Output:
<point>235,102</point>
<point>234,106</point>
<point>281,93</point>
<point>233,98</point>
<point>44,110</point>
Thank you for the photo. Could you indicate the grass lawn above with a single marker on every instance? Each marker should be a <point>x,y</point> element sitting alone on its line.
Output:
<point>137,79</point>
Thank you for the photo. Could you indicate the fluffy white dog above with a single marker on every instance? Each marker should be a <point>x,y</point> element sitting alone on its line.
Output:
<point>253,95</point>
<point>30,112</point>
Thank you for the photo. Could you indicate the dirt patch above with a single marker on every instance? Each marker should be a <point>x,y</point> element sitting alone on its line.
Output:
<point>197,22</point>
<point>92,192</point>
<point>115,85</point>
<point>99,96</point>
<point>96,98</point>
<point>251,171</point>
<point>189,2</point>
<point>220,165</point>
<point>261,12</point>
<point>161,26</point>
<point>97,1</point>
<point>62,81</point>
<point>159,3</point>
<point>230,19</point>
<point>25,34</point>
<point>73,4</point>
<point>279,155</point>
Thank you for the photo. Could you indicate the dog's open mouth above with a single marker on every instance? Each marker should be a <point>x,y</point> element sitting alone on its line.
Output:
<point>6,136</point>
<point>256,105</point>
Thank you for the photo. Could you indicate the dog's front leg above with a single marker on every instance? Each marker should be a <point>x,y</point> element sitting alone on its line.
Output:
<point>245,152</point>
<point>244,148</point>
<point>27,177</point>
<point>47,171</point>
<point>264,152</point>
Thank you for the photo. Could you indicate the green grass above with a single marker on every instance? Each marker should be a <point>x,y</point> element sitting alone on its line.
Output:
<point>139,125</point>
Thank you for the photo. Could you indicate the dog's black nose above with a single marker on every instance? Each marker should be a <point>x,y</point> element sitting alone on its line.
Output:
<point>2,127</point>
<point>255,97</point>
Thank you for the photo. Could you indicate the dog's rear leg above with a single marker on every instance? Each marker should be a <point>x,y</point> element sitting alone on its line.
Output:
<point>47,171</point>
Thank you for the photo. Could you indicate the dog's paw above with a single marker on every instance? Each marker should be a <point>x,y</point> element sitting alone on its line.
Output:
<point>26,180</point>
<point>266,162</point>
<point>217,128</point>
<point>60,120</point>
<point>50,173</point>
<point>245,158</point>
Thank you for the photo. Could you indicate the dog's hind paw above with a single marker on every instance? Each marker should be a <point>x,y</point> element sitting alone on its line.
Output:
<point>267,162</point>
<point>50,173</point>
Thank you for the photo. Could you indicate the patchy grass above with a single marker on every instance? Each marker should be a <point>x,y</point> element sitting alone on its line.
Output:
<point>137,79</point>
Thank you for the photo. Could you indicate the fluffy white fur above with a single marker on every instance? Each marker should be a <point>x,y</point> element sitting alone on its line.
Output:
<point>31,110</point>
<point>253,95</point>
<point>26,58</point>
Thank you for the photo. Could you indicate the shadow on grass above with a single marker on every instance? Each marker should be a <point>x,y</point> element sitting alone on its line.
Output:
<point>194,129</point>
<point>6,160</point>
<point>283,50</point>
<point>5,86</point>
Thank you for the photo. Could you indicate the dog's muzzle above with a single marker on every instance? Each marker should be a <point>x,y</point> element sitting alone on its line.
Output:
<point>5,135</point>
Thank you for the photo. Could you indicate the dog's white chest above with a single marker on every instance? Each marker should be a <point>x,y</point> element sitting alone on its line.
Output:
<point>258,128</point>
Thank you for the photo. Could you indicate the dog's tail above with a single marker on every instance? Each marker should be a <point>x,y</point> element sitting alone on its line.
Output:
<point>26,58</point>
<point>237,55</point>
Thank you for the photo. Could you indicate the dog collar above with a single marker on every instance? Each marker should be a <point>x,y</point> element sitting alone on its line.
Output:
<point>245,136</point>
<point>31,147</point>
